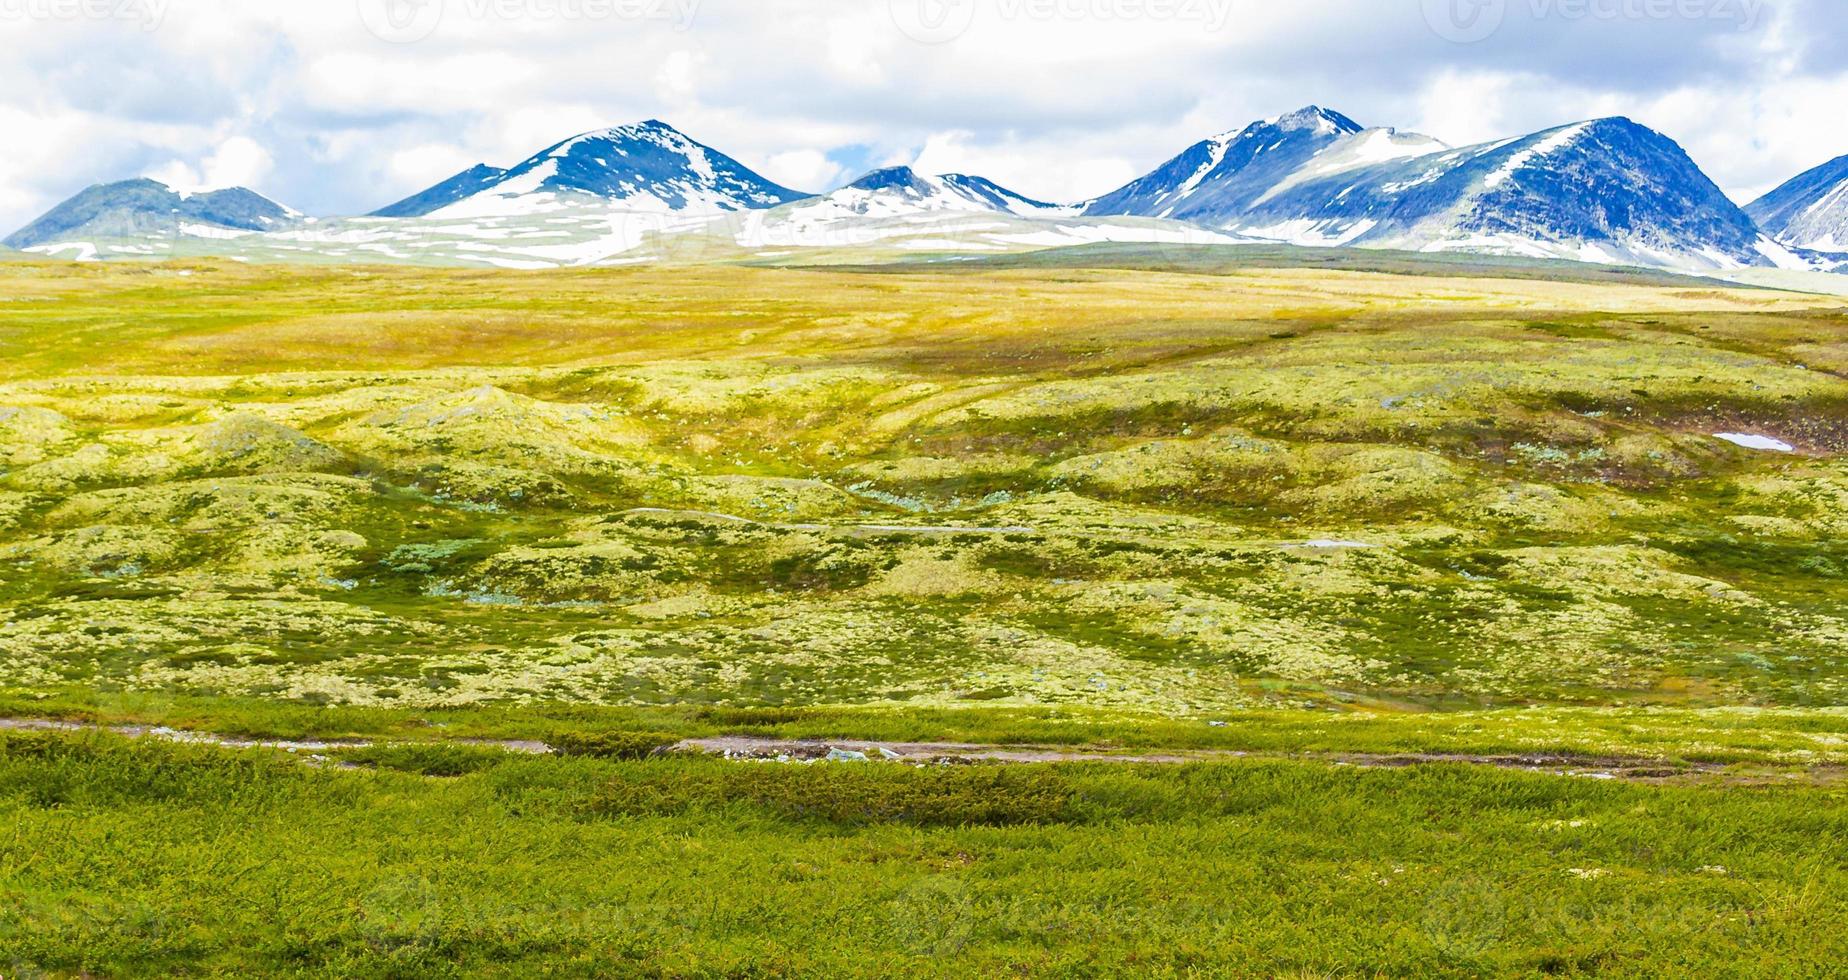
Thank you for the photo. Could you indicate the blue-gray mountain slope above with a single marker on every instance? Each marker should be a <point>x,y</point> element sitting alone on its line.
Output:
<point>1808,211</point>
<point>139,207</point>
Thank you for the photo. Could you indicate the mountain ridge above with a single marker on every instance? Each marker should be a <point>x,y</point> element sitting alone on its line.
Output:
<point>440,195</point>
<point>1808,211</point>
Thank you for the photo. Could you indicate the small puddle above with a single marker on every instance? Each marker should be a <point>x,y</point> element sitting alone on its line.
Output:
<point>1765,443</point>
<point>922,529</point>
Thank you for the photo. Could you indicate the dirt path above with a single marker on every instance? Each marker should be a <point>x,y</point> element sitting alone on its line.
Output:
<point>746,748</point>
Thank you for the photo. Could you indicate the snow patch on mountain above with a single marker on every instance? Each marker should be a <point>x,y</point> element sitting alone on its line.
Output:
<point>1550,144</point>
<point>1216,155</point>
<point>1359,150</point>
<point>1314,119</point>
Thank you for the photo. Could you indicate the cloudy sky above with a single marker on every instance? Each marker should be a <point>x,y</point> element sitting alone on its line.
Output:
<point>341,106</point>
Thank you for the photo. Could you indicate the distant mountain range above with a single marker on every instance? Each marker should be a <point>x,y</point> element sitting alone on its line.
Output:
<point>1608,191</point>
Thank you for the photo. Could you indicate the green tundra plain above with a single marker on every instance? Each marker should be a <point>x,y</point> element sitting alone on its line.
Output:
<point>1273,517</point>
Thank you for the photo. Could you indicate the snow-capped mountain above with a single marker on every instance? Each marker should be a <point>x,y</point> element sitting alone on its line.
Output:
<point>148,208</point>
<point>900,210</point>
<point>1608,190</point>
<point>895,191</point>
<point>469,182</point>
<point>648,166</point>
<point>1810,210</point>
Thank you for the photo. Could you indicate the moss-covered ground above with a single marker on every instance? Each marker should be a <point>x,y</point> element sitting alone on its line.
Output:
<point>1186,495</point>
<point>1454,509</point>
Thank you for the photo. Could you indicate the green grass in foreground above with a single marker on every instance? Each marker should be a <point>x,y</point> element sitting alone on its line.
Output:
<point>134,859</point>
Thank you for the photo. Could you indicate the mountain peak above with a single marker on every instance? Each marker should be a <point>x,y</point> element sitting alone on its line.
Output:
<point>1316,119</point>
<point>636,130</point>
<point>648,131</point>
<point>886,178</point>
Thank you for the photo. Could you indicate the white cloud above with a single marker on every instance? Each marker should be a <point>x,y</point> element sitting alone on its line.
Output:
<point>1037,170</point>
<point>1463,108</point>
<point>804,170</point>
<point>417,163</point>
<point>677,83</point>
<point>237,162</point>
